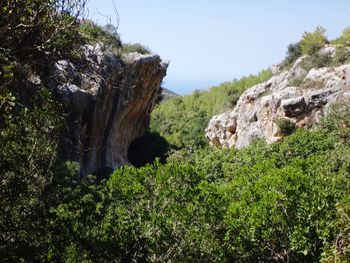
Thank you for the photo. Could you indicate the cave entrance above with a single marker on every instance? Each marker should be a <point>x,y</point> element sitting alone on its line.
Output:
<point>146,149</point>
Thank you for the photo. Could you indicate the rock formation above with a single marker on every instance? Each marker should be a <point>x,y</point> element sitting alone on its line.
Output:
<point>168,94</point>
<point>108,104</point>
<point>297,95</point>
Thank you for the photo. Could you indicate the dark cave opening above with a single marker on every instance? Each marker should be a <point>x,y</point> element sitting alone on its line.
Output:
<point>144,150</point>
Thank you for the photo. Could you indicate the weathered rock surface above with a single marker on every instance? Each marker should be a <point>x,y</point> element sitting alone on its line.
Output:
<point>108,105</point>
<point>261,106</point>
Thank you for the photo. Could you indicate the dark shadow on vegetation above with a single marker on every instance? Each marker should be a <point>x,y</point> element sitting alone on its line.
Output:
<point>103,173</point>
<point>146,149</point>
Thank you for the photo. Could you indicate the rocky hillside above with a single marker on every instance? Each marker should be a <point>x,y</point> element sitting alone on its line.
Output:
<point>108,105</point>
<point>296,97</point>
<point>168,94</point>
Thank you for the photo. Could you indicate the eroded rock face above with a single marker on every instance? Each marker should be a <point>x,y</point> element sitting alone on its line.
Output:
<point>108,105</point>
<point>261,106</point>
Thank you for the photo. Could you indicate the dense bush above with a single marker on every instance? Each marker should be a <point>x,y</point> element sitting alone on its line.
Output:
<point>312,42</point>
<point>344,39</point>
<point>136,47</point>
<point>35,30</point>
<point>285,126</point>
<point>293,53</point>
<point>94,33</point>
<point>267,203</point>
<point>28,157</point>
<point>318,60</point>
<point>310,45</point>
<point>285,202</point>
<point>346,36</point>
<point>342,56</point>
<point>339,120</point>
<point>34,34</point>
<point>282,202</point>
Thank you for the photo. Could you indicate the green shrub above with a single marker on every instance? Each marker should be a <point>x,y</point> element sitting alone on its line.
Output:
<point>32,31</point>
<point>285,126</point>
<point>342,56</point>
<point>265,203</point>
<point>346,36</point>
<point>94,33</point>
<point>233,97</point>
<point>312,42</point>
<point>338,119</point>
<point>284,202</point>
<point>28,157</point>
<point>136,47</point>
<point>318,60</point>
<point>339,249</point>
<point>293,53</point>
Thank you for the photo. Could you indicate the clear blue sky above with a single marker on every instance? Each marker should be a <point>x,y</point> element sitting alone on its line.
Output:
<point>209,42</point>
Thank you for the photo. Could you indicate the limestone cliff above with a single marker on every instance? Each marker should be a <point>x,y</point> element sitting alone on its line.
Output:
<point>107,104</point>
<point>299,95</point>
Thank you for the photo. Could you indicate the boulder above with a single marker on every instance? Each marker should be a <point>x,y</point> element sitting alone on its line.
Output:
<point>293,107</point>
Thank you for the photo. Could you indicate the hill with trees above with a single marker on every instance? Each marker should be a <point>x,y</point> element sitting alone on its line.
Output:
<point>282,202</point>
<point>182,120</point>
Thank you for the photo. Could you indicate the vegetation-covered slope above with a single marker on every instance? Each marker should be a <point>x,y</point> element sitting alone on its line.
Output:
<point>284,202</point>
<point>288,201</point>
<point>182,120</point>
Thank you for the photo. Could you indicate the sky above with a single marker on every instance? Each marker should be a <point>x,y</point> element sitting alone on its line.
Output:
<point>210,42</point>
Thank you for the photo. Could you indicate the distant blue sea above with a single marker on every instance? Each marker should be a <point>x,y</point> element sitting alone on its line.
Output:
<point>186,87</point>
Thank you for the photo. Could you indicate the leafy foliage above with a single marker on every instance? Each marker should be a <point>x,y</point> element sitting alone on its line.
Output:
<point>339,120</point>
<point>318,60</point>
<point>281,202</point>
<point>293,53</point>
<point>36,29</point>
<point>285,126</point>
<point>344,39</point>
<point>342,56</point>
<point>94,33</point>
<point>28,138</point>
<point>310,45</point>
<point>285,202</point>
<point>135,47</point>
<point>34,34</point>
<point>346,36</point>
<point>312,42</point>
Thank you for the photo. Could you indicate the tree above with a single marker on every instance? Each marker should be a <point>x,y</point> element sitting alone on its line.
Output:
<point>34,34</point>
<point>30,29</point>
<point>312,42</point>
<point>346,36</point>
<point>293,53</point>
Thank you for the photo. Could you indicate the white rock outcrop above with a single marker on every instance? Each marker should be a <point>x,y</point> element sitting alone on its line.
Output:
<point>260,107</point>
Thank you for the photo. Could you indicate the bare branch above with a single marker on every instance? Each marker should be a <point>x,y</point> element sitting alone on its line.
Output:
<point>116,14</point>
